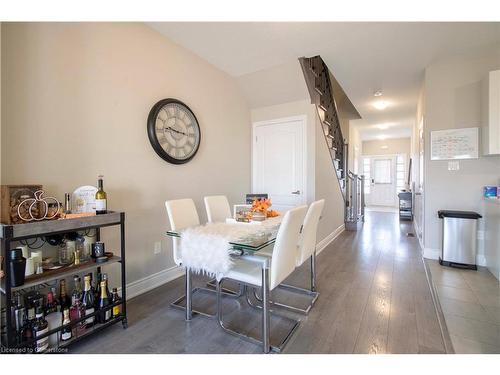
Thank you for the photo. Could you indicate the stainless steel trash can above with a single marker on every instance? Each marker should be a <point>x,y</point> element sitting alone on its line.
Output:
<point>459,238</point>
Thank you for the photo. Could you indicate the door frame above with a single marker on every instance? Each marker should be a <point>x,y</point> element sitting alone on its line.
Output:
<point>303,122</point>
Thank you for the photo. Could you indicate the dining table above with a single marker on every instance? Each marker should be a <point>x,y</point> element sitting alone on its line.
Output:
<point>244,247</point>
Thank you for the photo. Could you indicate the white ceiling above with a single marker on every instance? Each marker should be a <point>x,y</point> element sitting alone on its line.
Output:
<point>364,57</point>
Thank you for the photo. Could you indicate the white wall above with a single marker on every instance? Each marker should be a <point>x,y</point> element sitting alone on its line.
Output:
<point>76,100</point>
<point>321,179</point>
<point>453,100</point>
<point>280,84</point>
<point>355,149</point>
<point>327,187</point>
<point>387,147</point>
<point>418,166</point>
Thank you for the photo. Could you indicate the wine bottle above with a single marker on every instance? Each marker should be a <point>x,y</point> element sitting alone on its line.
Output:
<point>63,296</point>
<point>100,198</point>
<point>115,299</point>
<point>88,302</point>
<point>105,315</point>
<point>51,305</point>
<point>104,277</point>
<point>40,327</point>
<point>77,291</point>
<point>19,318</point>
<point>53,317</point>
<point>66,333</point>
<point>97,290</point>
<point>77,311</point>
<point>27,330</point>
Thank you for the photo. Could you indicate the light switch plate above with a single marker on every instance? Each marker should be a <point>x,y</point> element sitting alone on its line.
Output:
<point>453,165</point>
<point>157,249</point>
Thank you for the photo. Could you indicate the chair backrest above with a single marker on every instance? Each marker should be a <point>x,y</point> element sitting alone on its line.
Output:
<point>182,214</point>
<point>285,249</point>
<point>217,207</point>
<point>307,239</point>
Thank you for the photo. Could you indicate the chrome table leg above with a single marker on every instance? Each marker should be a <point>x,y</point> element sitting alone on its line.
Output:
<point>189,296</point>
<point>265,309</point>
<point>313,272</point>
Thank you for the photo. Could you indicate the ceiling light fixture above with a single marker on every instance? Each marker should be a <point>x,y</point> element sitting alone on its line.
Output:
<point>384,147</point>
<point>383,126</point>
<point>380,104</point>
<point>377,93</point>
<point>382,137</point>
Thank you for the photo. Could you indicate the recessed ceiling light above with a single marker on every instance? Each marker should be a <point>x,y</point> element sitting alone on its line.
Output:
<point>383,126</point>
<point>384,147</point>
<point>377,93</point>
<point>380,104</point>
<point>382,137</point>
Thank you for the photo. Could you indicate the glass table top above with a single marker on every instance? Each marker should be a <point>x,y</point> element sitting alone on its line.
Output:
<point>254,242</point>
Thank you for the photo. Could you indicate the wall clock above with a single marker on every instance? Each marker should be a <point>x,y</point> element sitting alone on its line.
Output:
<point>173,131</point>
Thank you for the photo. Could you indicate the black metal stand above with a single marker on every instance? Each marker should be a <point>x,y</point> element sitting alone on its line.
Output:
<point>12,233</point>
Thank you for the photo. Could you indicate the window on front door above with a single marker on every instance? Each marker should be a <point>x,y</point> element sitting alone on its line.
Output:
<point>382,171</point>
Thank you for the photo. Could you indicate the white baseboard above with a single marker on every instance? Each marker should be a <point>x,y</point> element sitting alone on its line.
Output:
<point>436,253</point>
<point>430,253</point>
<point>480,260</point>
<point>417,231</point>
<point>320,246</point>
<point>155,280</point>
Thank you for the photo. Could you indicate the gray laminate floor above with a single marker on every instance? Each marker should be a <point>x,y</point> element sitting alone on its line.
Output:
<point>374,299</point>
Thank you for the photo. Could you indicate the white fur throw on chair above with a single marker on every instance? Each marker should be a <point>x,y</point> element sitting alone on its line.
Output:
<point>206,249</point>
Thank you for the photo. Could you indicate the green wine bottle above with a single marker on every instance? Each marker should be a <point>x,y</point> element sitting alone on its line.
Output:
<point>100,197</point>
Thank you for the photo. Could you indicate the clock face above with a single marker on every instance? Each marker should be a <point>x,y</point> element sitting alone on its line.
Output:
<point>173,131</point>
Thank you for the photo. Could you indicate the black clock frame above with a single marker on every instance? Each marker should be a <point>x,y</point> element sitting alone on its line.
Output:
<point>151,126</point>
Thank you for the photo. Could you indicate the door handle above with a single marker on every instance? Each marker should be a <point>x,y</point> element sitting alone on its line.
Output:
<point>296,192</point>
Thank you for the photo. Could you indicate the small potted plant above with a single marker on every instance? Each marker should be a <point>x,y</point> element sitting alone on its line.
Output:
<point>260,208</point>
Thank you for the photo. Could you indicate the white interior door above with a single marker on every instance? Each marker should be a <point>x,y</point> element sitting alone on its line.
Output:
<point>383,181</point>
<point>279,161</point>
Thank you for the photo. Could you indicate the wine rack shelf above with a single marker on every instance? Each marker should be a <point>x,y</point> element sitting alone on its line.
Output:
<point>50,227</point>
<point>61,273</point>
<point>12,233</point>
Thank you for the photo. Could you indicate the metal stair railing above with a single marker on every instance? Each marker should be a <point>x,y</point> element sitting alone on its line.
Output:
<point>355,205</point>
<point>319,85</point>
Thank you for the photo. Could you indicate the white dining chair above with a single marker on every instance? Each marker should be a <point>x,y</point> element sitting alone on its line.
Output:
<point>218,210</point>
<point>307,251</point>
<point>182,214</point>
<point>217,207</point>
<point>267,273</point>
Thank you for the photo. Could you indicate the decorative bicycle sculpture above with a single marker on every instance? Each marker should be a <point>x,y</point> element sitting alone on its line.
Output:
<point>37,201</point>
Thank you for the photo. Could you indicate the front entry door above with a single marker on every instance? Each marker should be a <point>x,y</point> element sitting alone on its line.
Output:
<point>279,161</point>
<point>383,181</point>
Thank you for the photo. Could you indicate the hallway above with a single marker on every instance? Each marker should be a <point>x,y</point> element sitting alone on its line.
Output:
<point>374,299</point>
<point>375,295</point>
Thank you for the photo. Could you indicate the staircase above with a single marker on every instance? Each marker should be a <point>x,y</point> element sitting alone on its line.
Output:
<point>319,83</point>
